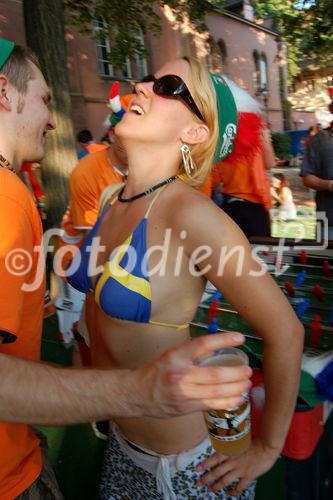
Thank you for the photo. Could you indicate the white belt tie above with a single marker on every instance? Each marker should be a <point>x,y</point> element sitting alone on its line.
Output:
<point>163,479</point>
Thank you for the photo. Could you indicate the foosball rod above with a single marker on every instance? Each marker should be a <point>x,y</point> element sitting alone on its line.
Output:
<point>220,309</point>
<point>203,326</point>
<point>306,289</point>
<point>295,264</point>
<point>315,308</point>
<point>300,289</point>
<point>291,254</point>
<point>306,320</point>
<point>289,275</point>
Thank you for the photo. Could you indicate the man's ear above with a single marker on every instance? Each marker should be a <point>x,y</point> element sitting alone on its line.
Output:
<point>195,134</point>
<point>4,99</point>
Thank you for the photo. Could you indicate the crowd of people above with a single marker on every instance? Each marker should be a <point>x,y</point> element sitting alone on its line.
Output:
<point>148,186</point>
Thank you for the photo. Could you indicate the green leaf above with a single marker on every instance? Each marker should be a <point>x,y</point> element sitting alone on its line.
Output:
<point>123,19</point>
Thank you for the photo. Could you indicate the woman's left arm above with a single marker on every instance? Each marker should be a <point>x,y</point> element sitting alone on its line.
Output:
<point>233,269</point>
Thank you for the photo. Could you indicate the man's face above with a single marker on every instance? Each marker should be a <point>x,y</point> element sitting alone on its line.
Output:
<point>33,119</point>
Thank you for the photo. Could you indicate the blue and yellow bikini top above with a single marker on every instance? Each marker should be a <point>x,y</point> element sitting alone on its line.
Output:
<point>119,293</point>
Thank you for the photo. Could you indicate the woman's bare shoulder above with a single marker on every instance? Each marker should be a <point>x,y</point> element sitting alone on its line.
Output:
<point>187,209</point>
<point>185,200</point>
<point>182,196</point>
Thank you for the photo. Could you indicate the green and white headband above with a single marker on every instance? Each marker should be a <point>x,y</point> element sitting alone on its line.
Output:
<point>6,48</point>
<point>227,118</point>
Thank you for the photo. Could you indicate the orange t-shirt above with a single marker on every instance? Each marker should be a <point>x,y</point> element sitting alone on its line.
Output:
<point>87,182</point>
<point>93,148</point>
<point>21,315</point>
<point>245,177</point>
<point>206,188</point>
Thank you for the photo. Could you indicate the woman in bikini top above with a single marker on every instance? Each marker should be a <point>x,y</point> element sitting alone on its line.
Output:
<point>146,262</point>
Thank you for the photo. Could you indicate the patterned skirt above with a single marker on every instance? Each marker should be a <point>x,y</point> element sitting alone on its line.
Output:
<point>134,473</point>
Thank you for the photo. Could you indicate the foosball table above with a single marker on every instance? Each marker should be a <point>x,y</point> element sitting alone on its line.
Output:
<point>306,279</point>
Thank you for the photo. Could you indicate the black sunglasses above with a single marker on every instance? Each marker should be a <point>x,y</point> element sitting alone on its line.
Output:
<point>173,86</point>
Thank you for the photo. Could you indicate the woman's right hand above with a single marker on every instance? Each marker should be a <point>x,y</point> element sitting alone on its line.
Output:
<point>174,385</point>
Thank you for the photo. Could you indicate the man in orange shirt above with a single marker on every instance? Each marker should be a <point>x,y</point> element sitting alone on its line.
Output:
<point>36,393</point>
<point>87,143</point>
<point>246,189</point>
<point>88,180</point>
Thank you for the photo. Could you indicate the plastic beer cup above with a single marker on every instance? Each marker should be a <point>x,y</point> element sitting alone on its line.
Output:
<point>229,429</point>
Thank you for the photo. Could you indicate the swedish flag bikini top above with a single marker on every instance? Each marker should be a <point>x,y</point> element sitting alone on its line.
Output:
<point>119,293</point>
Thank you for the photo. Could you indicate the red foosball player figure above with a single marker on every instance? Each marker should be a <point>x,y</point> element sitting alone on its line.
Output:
<point>318,292</point>
<point>327,268</point>
<point>289,288</point>
<point>303,257</point>
<point>213,312</point>
<point>315,331</point>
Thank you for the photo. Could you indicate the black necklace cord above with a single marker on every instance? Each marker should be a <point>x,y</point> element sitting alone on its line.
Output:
<point>4,163</point>
<point>145,193</point>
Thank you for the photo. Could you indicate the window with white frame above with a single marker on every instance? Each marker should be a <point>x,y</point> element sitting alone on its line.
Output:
<point>263,72</point>
<point>127,69</point>
<point>140,60</point>
<point>132,69</point>
<point>260,75</point>
<point>256,72</point>
<point>103,50</point>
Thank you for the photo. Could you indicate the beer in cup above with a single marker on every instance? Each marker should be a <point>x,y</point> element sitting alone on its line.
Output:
<point>229,429</point>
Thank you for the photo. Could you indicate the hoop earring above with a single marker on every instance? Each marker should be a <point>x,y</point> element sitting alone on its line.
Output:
<point>188,162</point>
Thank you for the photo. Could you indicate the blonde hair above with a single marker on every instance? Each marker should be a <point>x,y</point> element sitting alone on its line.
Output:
<point>205,98</point>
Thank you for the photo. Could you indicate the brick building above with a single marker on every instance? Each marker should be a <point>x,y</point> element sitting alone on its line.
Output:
<point>248,52</point>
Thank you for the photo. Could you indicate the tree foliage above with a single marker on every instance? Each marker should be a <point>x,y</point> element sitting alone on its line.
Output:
<point>124,18</point>
<point>307,26</point>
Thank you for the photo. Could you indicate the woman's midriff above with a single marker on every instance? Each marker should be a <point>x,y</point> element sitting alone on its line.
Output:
<point>123,344</point>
